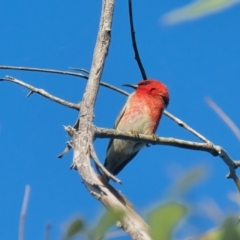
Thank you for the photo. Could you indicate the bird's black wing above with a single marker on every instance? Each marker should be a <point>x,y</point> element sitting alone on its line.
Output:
<point>124,163</point>
<point>118,120</point>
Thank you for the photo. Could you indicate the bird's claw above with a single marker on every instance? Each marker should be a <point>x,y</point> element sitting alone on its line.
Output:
<point>135,133</point>
<point>155,137</point>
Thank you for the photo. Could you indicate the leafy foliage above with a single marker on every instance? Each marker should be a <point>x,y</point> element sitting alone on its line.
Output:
<point>75,227</point>
<point>164,219</point>
<point>196,9</point>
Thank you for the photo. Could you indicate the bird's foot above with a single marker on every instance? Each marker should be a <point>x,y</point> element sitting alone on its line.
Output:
<point>155,137</point>
<point>135,133</point>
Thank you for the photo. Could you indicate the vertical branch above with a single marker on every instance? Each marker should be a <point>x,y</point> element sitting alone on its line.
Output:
<point>82,141</point>
<point>82,138</point>
<point>134,43</point>
<point>23,213</point>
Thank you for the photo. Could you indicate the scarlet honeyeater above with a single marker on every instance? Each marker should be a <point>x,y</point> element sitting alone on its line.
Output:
<point>140,114</point>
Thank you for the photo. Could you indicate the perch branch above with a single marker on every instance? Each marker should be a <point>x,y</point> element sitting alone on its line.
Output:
<point>113,133</point>
<point>76,106</point>
<point>41,92</point>
<point>177,120</point>
<point>206,147</point>
<point>177,143</point>
<point>134,43</point>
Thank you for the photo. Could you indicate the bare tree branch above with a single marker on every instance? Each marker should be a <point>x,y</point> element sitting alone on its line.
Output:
<point>77,107</point>
<point>134,43</point>
<point>44,70</point>
<point>79,69</point>
<point>103,169</point>
<point>185,126</point>
<point>232,165</point>
<point>23,213</point>
<point>66,149</point>
<point>117,134</point>
<point>206,147</point>
<point>83,137</point>
<point>175,142</point>
<point>41,92</point>
<point>84,133</point>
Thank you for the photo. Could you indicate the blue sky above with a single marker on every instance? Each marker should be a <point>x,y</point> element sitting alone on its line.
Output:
<point>195,59</point>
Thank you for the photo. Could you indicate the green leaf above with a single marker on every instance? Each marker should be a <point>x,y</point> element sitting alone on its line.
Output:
<point>74,228</point>
<point>107,221</point>
<point>196,9</point>
<point>228,231</point>
<point>164,219</point>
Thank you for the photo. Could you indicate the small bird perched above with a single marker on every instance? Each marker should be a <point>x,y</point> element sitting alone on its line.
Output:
<point>140,114</point>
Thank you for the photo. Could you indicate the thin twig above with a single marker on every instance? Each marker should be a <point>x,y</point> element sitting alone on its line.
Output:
<point>134,43</point>
<point>66,149</point>
<point>41,92</point>
<point>224,117</point>
<point>44,70</point>
<point>99,165</point>
<point>184,125</point>
<point>231,165</point>
<point>23,213</point>
<point>79,69</point>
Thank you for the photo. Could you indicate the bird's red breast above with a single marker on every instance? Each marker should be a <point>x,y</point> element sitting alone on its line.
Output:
<point>141,113</point>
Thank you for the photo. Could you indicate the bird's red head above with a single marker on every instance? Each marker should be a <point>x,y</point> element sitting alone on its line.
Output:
<point>155,88</point>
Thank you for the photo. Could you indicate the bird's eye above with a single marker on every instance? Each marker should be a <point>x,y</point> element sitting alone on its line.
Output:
<point>152,89</point>
<point>144,83</point>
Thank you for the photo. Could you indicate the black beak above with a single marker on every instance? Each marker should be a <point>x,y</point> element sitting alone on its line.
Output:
<point>131,85</point>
